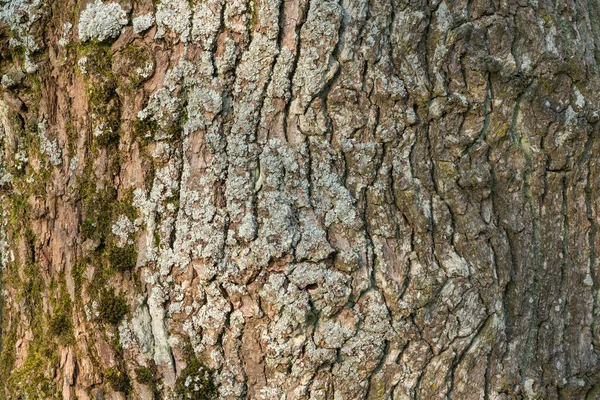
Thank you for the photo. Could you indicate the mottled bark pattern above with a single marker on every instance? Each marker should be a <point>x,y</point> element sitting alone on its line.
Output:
<point>322,199</point>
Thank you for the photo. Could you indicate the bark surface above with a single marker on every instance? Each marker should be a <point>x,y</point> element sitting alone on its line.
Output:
<point>300,199</point>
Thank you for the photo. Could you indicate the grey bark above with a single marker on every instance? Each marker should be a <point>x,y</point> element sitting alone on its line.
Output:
<point>300,199</point>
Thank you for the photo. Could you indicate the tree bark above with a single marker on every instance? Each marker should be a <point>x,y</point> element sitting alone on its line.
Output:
<point>300,199</point>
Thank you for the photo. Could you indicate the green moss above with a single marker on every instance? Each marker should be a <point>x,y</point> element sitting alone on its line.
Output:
<point>18,54</point>
<point>97,222</point>
<point>501,131</point>
<point>112,308</point>
<point>195,381</point>
<point>34,379</point>
<point>18,212</point>
<point>109,128</point>
<point>175,131</point>
<point>125,206</point>
<point>33,87</point>
<point>118,380</point>
<point>99,57</point>
<point>102,84</point>
<point>31,289</point>
<point>100,208</point>
<point>72,136</point>
<point>145,129</point>
<point>133,60</point>
<point>122,259</point>
<point>60,324</point>
<point>170,130</point>
<point>101,91</point>
<point>77,274</point>
<point>31,381</point>
<point>145,375</point>
<point>253,20</point>
<point>148,376</point>
<point>156,237</point>
<point>31,126</point>
<point>7,356</point>
<point>96,206</point>
<point>594,392</point>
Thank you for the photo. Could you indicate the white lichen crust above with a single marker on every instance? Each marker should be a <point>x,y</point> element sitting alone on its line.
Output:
<point>101,21</point>
<point>142,23</point>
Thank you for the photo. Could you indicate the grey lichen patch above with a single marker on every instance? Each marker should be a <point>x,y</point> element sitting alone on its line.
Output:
<point>141,327</point>
<point>162,349</point>
<point>211,318</point>
<point>316,64</point>
<point>123,229</point>
<point>142,23</point>
<point>204,104</point>
<point>158,209</point>
<point>288,307</point>
<point>66,34</point>
<point>329,289</point>
<point>175,15</point>
<point>12,78</point>
<point>335,331</point>
<point>5,251</point>
<point>163,109</point>
<point>48,147</point>
<point>101,21</point>
<point>165,118</point>
<point>165,106</point>
<point>206,22</point>
<point>335,199</point>
<point>21,16</point>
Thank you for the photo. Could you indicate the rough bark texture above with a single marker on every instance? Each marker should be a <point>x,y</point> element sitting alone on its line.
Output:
<point>300,199</point>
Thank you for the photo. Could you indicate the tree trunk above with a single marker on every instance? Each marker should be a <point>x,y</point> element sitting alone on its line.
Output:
<point>300,199</point>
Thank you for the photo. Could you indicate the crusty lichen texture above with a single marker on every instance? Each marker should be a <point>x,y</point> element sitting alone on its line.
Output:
<point>101,21</point>
<point>299,199</point>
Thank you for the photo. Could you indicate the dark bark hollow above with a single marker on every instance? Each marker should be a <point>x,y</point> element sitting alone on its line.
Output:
<point>299,199</point>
